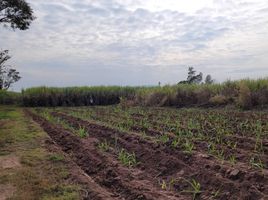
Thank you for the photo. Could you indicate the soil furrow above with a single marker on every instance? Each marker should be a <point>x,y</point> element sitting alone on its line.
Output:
<point>104,170</point>
<point>165,163</point>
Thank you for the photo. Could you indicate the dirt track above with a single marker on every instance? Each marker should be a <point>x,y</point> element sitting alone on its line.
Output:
<point>157,163</point>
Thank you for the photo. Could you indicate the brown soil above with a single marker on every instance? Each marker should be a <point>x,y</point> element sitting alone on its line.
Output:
<point>6,191</point>
<point>157,163</point>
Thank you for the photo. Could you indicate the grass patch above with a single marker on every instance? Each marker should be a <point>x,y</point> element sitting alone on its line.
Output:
<point>42,175</point>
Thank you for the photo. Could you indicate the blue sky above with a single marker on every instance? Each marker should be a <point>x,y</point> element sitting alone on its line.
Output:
<point>135,42</point>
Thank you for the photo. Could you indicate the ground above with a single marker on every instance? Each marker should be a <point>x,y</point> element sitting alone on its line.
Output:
<point>133,153</point>
<point>29,168</point>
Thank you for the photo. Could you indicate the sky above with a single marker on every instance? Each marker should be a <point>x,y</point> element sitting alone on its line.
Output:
<point>138,42</point>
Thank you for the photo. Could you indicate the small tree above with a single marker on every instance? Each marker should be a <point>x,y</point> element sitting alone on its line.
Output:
<point>8,76</point>
<point>209,79</point>
<point>192,78</point>
<point>16,13</point>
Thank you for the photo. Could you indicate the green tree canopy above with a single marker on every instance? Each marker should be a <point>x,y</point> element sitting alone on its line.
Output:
<point>16,13</point>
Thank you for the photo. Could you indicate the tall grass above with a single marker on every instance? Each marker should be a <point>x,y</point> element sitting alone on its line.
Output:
<point>7,97</point>
<point>75,96</point>
<point>245,94</point>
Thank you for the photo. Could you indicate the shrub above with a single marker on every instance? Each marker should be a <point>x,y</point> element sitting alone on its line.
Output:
<point>218,100</point>
<point>244,98</point>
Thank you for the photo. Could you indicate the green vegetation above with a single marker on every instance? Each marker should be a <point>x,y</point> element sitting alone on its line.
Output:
<point>8,98</point>
<point>104,146</point>
<point>127,159</point>
<point>213,131</point>
<point>244,94</point>
<point>35,172</point>
<point>75,96</point>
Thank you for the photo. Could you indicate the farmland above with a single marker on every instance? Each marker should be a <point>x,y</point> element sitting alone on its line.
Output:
<point>164,153</point>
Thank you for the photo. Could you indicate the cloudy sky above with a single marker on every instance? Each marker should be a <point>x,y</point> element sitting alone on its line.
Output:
<point>139,42</point>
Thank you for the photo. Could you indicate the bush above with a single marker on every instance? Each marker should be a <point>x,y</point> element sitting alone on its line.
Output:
<point>218,100</point>
<point>244,98</point>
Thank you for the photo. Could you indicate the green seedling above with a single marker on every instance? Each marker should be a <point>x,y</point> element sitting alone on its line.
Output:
<point>215,195</point>
<point>163,184</point>
<point>195,188</point>
<point>164,138</point>
<point>175,143</point>
<point>82,132</point>
<point>256,162</point>
<point>188,146</point>
<point>232,159</point>
<point>127,159</point>
<point>104,146</point>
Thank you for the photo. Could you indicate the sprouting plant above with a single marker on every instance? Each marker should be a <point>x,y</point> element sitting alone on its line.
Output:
<point>232,159</point>
<point>164,138</point>
<point>220,154</point>
<point>127,159</point>
<point>188,146</point>
<point>163,184</point>
<point>258,144</point>
<point>256,162</point>
<point>82,132</point>
<point>176,142</point>
<point>215,194</point>
<point>195,188</point>
<point>231,144</point>
<point>104,146</point>
<point>212,148</point>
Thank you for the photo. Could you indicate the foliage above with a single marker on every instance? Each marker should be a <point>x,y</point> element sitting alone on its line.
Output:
<point>17,13</point>
<point>75,96</point>
<point>127,159</point>
<point>8,76</point>
<point>8,98</point>
<point>192,77</point>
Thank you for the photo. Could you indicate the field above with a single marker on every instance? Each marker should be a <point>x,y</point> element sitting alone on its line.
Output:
<point>163,153</point>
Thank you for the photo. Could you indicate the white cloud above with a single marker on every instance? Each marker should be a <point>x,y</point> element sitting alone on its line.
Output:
<point>154,40</point>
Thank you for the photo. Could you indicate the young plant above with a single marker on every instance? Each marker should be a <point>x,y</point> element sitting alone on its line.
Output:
<point>104,146</point>
<point>164,138</point>
<point>188,147</point>
<point>232,159</point>
<point>256,162</point>
<point>195,188</point>
<point>127,159</point>
<point>82,132</point>
<point>163,184</point>
<point>175,143</point>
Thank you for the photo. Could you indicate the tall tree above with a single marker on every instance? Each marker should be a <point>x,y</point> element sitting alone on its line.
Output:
<point>16,13</point>
<point>8,76</point>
